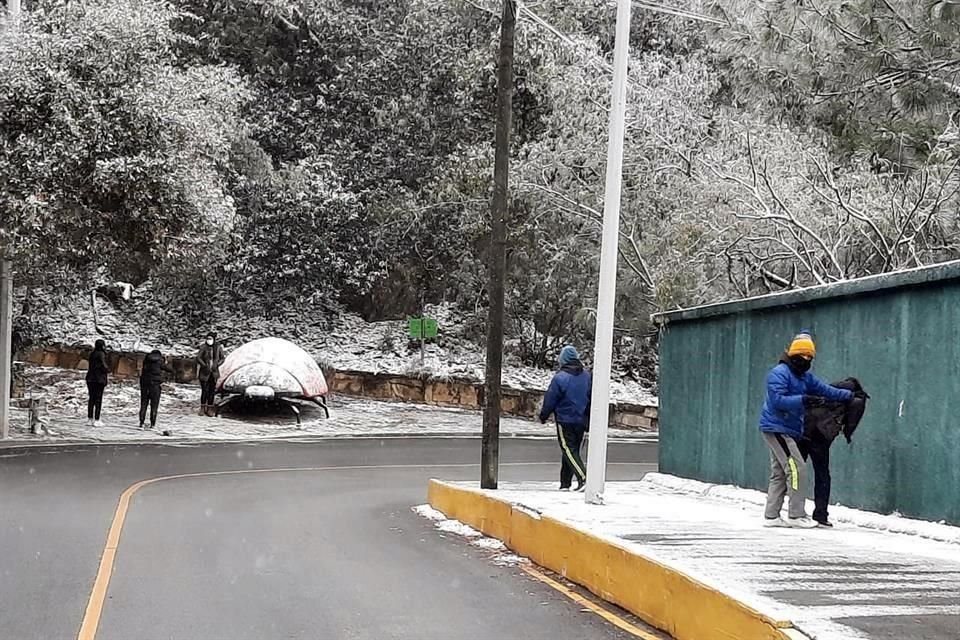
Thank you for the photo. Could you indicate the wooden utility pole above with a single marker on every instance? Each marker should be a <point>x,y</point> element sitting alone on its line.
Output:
<point>490,454</point>
<point>6,332</point>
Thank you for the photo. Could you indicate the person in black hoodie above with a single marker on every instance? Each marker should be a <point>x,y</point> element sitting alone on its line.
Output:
<point>97,371</point>
<point>151,379</point>
<point>822,426</point>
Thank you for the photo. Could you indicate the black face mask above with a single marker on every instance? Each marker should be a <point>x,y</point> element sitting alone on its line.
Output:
<point>800,364</point>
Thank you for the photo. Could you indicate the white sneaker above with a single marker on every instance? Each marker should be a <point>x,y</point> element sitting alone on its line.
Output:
<point>98,424</point>
<point>89,422</point>
<point>774,522</point>
<point>802,523</point>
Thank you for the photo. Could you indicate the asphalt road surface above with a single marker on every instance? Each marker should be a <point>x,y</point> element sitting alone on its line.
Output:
<point>331,551</point>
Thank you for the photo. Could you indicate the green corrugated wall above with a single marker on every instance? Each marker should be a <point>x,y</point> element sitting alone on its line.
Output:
<point>903,343</point>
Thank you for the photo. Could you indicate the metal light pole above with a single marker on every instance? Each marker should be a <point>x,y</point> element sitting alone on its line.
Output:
<point>603,348</point>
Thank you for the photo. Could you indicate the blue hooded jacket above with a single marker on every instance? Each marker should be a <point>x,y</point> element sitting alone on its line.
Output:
<point>568,396</point>
<point>783,410</point>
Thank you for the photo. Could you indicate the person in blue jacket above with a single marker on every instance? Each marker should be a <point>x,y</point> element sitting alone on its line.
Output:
<point>568,399</point>
<point>791,389</point>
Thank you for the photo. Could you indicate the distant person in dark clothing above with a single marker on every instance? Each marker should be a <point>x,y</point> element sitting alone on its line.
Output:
<point>97,371</point>
<point>792,391</point>
<point>568,399</point>
<point>821,427</point>
<point>208,363</point>
<point>151,379</point>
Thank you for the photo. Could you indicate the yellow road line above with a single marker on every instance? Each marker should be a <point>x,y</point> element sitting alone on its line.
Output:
<point>604,613</point>
<point>94,610</point>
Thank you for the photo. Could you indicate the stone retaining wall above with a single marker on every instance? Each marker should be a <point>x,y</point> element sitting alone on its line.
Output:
<point>469,395</point>
<point>466,394</point>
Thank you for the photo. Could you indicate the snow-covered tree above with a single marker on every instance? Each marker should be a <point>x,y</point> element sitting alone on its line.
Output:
<point>111,153</point>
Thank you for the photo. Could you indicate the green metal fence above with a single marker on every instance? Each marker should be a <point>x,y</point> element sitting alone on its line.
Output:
<point>899,334</point>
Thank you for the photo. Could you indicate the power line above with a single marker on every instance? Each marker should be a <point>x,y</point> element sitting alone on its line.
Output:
<point>674,11</point>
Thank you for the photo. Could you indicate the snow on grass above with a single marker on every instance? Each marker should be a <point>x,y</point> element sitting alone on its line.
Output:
<point>820,579</point>
<point>347,343</point>
<point>65,395</point>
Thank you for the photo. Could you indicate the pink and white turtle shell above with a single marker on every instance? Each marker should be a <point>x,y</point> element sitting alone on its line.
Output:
<point>272,363</point>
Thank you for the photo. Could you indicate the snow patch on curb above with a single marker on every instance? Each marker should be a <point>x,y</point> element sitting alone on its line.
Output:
<point>428,512</point>
<point>458,528</point>
<point>502,558</point>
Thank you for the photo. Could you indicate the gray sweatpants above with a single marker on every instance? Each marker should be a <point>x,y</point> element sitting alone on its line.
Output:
<point>788,475</point>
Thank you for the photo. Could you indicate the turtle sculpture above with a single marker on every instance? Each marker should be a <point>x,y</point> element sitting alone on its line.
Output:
<point>272,370</point>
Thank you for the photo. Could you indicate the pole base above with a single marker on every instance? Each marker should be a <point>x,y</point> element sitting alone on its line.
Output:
<point>594,498</point>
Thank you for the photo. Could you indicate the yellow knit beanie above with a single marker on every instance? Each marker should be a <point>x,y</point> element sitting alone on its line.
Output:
<point>802,345</point>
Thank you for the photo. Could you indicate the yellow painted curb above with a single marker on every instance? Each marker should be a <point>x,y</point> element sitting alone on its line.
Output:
<point>660,596</point>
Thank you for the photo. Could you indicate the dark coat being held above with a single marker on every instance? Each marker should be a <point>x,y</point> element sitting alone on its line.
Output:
<point>832,419</point>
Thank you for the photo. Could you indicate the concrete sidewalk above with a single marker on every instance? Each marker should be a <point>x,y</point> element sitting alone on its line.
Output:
<point>844,583</point>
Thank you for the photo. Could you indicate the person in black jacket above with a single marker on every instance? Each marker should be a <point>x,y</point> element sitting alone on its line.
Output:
<point>97,371</point>
<point>151,379</point>
<point>822,426</point>
<point>209,360</point>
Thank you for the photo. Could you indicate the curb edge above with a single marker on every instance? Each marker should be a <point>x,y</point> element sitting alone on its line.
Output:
<point>658,594</point>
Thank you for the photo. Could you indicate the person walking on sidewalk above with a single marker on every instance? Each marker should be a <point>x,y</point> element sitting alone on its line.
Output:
<point>97,371</point>
<point>791,389</point>
<point>208,363</point>
<point>151,379</point>
<point>568,399</point>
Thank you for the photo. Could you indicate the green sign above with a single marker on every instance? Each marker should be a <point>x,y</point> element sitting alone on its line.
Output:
<point>422,328</point>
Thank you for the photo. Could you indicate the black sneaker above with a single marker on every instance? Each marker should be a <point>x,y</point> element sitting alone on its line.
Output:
<point>824,523</point>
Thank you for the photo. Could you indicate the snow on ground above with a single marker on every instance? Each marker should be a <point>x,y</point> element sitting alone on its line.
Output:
<point>894,523</point>
<point>443,524</point>
<point>65,395</point>
<point>347,343</point>
<point>834,584</point>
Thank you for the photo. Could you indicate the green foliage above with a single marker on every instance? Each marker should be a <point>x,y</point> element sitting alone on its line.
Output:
<point>312,153</point>
<point>302,237</point>
<point>879,75</point>
<point>111,153</point>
